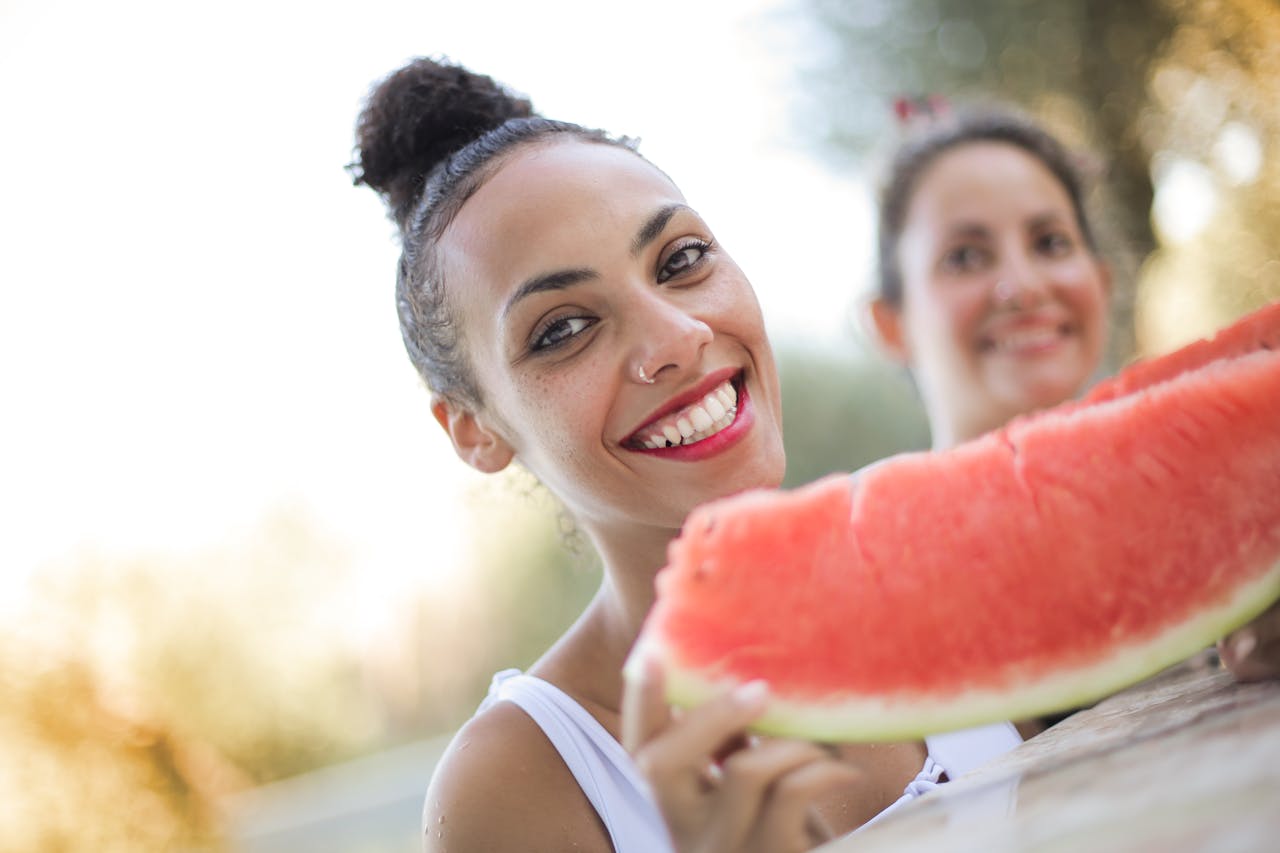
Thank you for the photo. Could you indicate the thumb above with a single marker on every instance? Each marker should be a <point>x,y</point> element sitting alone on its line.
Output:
<point>644,706</point>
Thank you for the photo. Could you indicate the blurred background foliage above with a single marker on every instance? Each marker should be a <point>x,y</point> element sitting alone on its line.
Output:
<point>139,694</point>
<point>1174,106</point>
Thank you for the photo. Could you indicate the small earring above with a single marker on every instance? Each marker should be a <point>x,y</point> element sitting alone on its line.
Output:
<point>645,379</point>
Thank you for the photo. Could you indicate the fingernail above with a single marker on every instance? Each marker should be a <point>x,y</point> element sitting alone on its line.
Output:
<point>1242,644</point>
<point>752,693</point>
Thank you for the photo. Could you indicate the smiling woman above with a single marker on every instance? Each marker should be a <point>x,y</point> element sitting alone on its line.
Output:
<point>572,313</point>
<point>990,286</point>
<point>994,295</point>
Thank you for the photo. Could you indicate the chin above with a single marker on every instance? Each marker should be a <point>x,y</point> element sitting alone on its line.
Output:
<point>1044,390</point>
<point>1047,396</point>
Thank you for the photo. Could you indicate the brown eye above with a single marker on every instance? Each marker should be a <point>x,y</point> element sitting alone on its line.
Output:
<point>1055,244</point>
<point>683,259</point>
<point>560,331</point>
<point>965,259</point>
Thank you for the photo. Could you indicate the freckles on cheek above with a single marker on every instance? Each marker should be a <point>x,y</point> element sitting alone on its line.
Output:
<point>548,406</point>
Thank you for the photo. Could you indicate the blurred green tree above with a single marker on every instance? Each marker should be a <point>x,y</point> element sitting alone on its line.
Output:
<point>842,409</point>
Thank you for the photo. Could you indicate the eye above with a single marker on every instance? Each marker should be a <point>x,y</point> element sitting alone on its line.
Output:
<point>559,331</point>
<point>1055,244</point>
<point>686,256</point>
<point>966,258</point>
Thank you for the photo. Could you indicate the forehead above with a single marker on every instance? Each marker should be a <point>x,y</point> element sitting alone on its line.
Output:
<point>554,205</point>
<point>985,180</point>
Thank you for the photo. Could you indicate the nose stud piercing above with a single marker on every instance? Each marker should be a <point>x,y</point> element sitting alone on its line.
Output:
<point>645,379</point>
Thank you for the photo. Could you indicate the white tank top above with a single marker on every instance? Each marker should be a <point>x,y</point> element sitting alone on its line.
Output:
<point>602,767</point>
<point>620,794</point>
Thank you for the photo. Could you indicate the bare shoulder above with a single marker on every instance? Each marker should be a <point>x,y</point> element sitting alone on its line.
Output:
<point>501,785</point>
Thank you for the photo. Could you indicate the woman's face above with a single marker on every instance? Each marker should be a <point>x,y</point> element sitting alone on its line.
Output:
<point>1004,304</point>
<point>571,269</point>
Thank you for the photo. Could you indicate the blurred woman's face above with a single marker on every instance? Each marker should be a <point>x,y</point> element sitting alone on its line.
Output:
<point>1004,304</point>
<point>572,269</point>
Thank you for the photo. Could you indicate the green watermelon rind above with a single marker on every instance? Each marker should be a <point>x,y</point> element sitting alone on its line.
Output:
<point>876,719</point>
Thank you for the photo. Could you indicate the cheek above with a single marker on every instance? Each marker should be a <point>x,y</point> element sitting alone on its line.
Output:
<point>1089,295</point>
<point>944,314</point>
<point>562,411</point>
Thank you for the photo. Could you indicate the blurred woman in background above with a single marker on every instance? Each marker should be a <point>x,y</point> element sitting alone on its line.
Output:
<point>992,291</point>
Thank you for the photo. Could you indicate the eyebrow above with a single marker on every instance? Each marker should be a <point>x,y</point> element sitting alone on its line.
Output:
<point>1051,217</point>
<point>654,225</point>
<point>969,229</point>
<point>558,280</point>
<point>562,279</point>
<point>974,229</point>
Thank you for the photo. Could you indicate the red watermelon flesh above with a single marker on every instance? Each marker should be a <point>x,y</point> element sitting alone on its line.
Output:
<point>1259,330</point>
<point>1042,566</point>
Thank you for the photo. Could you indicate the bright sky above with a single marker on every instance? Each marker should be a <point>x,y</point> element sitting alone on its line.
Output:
<point>196,314</point>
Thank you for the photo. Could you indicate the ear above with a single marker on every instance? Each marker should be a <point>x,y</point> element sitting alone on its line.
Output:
<point>475,442</point>
<point>886,320</point>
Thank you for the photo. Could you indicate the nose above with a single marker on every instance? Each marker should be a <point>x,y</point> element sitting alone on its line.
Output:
<point>664,337</point>
<point>1019,282</point>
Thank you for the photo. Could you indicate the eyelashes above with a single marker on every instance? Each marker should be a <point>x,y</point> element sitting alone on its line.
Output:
<point>680,260</point>
<point>558,330</point>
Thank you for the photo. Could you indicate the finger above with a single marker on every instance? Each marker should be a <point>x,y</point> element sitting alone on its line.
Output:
<point>1248,661</point>
<point>1252,653</point>
<point>704,733</point>
<point>791,822</point>
<point>747,777</point>
<point>644,706</point>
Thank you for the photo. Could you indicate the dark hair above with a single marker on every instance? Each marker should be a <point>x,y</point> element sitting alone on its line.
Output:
<point>939,136</point>
<point>428,137</point>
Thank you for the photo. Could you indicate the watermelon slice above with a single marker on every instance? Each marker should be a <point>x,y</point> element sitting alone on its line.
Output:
<point>1035,569</point>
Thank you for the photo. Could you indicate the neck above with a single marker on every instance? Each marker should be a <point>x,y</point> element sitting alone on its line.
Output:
<point>588,659</point>
<point>632,559</point>
<point>947,431</point>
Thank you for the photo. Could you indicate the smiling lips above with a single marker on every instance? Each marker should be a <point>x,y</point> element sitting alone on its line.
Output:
<point>1029,339</point>
<point>692,424</point>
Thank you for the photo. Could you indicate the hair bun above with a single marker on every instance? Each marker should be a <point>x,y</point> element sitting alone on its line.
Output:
<point>417,117</point>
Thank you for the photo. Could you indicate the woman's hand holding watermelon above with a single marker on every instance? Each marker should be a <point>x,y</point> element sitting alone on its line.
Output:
<point>718,788</point>
<point>1253,652</point>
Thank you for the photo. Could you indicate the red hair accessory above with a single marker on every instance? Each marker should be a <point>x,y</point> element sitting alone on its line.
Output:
<point>920,108</point>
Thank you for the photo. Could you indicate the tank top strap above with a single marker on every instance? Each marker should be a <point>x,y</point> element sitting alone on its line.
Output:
<point>954,754</point>
<point>602,768</point>
<point>961,751</point>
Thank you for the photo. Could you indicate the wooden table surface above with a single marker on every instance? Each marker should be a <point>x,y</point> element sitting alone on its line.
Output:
<point>1187,761</point>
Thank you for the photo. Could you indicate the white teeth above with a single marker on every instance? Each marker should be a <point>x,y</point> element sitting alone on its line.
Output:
<point>1027,339</point>
<point>700,419</point>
